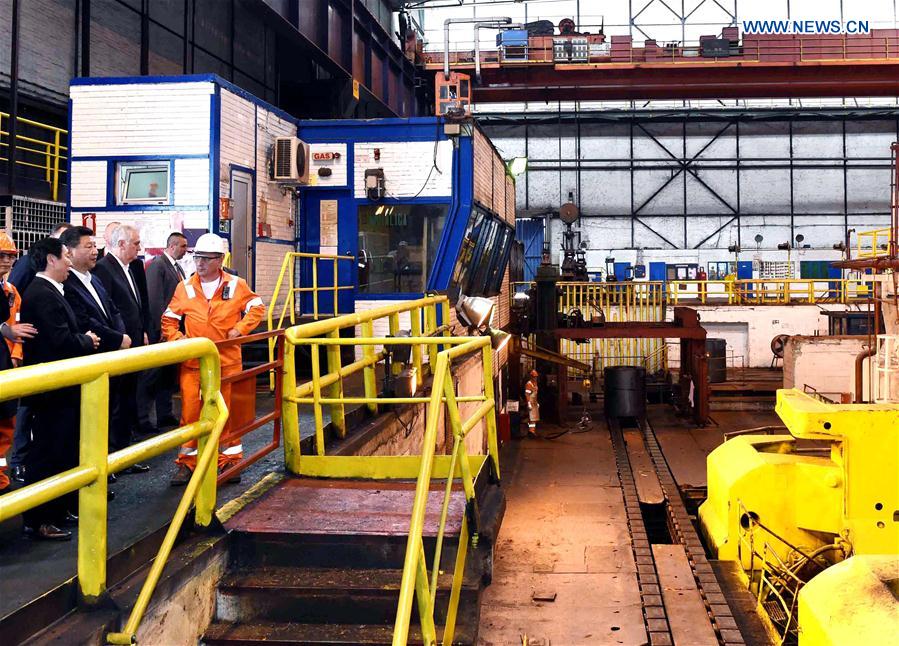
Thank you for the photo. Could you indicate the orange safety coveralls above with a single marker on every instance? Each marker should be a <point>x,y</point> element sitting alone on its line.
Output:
<point>8,424</point>
<point>233,306</point>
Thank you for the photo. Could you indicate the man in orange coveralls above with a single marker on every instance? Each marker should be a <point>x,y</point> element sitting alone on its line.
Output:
<point>11,351</point>
<point>217,306</point>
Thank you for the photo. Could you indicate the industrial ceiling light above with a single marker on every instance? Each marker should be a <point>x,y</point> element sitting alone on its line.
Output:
<point>474,311</point>
<point>498,339</point>
<point>517,165</point>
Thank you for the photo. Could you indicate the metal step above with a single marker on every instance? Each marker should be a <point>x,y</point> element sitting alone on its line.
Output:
<point>265,634</point>
<point>326,595</point>
<point>352,551</point>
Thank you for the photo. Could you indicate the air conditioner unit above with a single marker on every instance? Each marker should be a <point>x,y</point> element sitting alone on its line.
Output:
<point>291,162</point>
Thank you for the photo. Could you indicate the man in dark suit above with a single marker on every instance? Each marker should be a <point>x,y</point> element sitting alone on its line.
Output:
<point>125,292</point>
<point>22,274</point>
<point>55,426</point>
<point>157,386</point>
<point>95,311</point>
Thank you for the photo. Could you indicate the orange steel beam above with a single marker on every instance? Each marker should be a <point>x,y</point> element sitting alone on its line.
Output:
<point>702,80</point>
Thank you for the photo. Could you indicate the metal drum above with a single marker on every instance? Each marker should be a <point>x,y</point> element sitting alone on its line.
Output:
<point>624,389</point>
<point>716,352</point>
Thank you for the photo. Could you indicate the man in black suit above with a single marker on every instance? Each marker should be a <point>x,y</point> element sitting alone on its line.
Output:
<point>22,274</point>
<point>157,386</point>
<point>95,311</point>
<point>125,292</point>
<point>55,426</point>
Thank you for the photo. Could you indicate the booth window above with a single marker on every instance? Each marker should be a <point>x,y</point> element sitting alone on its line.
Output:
<point>483,256</point>
<point>397,246</point>
<point>143,182</point>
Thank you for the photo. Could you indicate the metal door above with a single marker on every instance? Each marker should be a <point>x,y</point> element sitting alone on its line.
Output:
<point>529,231</point>
<point>242,191</point>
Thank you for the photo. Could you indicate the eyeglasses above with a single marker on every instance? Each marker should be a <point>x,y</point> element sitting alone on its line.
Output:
<point>206,258</point>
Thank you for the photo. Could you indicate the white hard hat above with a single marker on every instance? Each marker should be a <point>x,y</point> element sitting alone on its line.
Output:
<point>210,243</point>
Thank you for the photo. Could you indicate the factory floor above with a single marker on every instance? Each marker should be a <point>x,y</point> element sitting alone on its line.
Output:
<point>564,570</point>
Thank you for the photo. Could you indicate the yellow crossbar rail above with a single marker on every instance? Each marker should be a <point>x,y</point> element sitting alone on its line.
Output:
<point>44,154</point>
<point>873,244</point>
<point>89,478</point>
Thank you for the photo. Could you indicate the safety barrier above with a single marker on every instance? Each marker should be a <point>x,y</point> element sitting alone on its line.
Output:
<point>45,155</point>
<point>427,338</point>
<point>768,292</point>
<point>873,244</point>
<point>289,293</point>
<point>243,393</point>
<point>645,301</point>
<point>89,478</point>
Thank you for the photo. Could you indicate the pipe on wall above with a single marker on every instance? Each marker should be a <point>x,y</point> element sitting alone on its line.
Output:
<point>859,373</point>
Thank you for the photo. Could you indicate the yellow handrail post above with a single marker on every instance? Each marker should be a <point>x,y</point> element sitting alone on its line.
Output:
<point>423,598</point>
<point>335,390</point>
<point>336,288</point>
<point>452,412</point>
<point>56,166</point>
<point>492,445</point>
<point>369,374</point>
<point>394,327</point>
<point>92,502</point>
<point>314,289</point>
<point>290,419</point>
<point>430,328</point>
<point>47,157</point>
<point>415,318</point>
<point>210,378</point>
<point>449,627</point>
<point>316,401</point>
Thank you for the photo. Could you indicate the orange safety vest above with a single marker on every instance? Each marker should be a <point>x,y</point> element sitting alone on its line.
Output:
<point>15,303</point>
<point>233,305</point>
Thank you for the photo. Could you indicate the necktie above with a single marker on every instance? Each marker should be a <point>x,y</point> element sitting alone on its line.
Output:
<point>133,285</point>
<point>180,271</point>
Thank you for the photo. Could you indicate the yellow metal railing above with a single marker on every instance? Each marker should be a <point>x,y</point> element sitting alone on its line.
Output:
<point>89,478</point>
<point>645,301</point>
<point>43,154</point>
<point>873,244</point>
<point>289,293</point>
<point>432,350</point>
<point>758,291</point>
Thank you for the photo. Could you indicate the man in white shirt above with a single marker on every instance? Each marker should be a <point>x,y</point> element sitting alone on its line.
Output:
<point>125,292</point>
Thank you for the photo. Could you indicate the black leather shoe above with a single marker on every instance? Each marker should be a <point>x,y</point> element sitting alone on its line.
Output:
<point>70,519</point>
<point>110,495</point>
<point>137,468</point>
<point>111,478</point>
<point>168,420</point>
<point>17,473</point>
<point>47,532</point>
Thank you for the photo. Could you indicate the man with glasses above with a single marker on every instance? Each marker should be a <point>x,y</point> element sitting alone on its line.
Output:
<point>218,306</point>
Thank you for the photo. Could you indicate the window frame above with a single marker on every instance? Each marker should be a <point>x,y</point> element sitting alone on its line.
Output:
<point>426,272</point>
<point>124,170</point>
<point>477,275</point>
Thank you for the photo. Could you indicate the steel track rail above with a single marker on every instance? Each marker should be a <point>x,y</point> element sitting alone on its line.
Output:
<point>720,613</point>
<point>655,617</point>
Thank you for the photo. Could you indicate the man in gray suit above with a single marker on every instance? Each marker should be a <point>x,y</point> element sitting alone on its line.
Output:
<point>157,386</point>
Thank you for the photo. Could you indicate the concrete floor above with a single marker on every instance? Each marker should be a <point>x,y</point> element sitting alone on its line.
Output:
<point>142,505</point>
<point>564,532</point>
